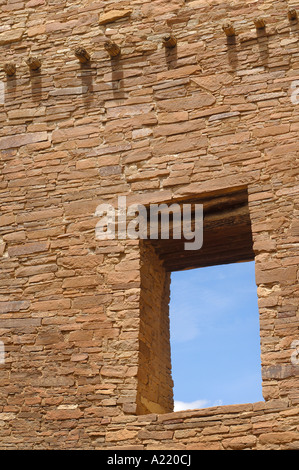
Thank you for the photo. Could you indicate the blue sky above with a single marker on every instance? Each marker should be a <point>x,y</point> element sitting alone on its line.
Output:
<point>215,342</point>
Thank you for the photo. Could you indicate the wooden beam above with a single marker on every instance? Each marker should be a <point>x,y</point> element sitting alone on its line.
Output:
<point>227,236</point>
<point>229,30</point>
<point>259,23</point>
<point>169,41</point>
<point>34,63</point>
<point>10,69</point>
<point>292,14</point>
<point>112,49</point>
<point>82,55</point>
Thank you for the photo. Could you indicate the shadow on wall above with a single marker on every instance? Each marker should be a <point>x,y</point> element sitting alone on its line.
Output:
<point>117,78</point>
<point>10,89</point>
<point>36,85</point>
<point>171,57</point>
<point>232,52</point>
<point>86,75</point>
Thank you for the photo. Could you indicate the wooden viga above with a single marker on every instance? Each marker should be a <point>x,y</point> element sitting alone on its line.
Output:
<point>10,69</point>
<point>292,14</point>
<point>169,41</point>
<point>229,29</point>
<point>259,23</point>
<point>82,55</point>
<point>112,49</point>
<point>34,63</point>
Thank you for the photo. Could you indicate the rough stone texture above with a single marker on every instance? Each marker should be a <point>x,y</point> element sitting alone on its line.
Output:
<point>113,15</point>
<point>154,378</point>
<point>207,118</point>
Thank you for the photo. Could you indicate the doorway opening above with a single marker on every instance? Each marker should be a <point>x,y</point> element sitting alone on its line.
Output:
<point>227,245</point>
<point>214,336</point>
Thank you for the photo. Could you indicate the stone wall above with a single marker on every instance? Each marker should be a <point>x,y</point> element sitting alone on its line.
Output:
<point>155,385</point>
<point>236,427</point>
<point>212,116</point>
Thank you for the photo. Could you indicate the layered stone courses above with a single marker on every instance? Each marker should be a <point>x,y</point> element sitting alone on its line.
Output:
<point>206,118</point>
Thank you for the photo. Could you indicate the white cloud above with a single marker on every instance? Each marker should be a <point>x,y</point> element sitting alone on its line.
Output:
<point>194,405</point>
<point>184,327</point>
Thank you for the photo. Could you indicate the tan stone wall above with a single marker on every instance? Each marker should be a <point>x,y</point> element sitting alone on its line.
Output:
<point>207,117</point>
<point>155,384</point>
<point>237,427</point>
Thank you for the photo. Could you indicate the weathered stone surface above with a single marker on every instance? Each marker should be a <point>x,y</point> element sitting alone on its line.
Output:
<point>198,101</point>
<point>36,30</point>
<point>84,322</point>
<point>79,357</point>
<point>65,134</point>
<point>27,249</point>
<point>61,415</point>
<point>55,381</point>
<point>47,337</point>
<point>121,435</point>
<point>240,443</point>
<point>34,270</point>
<point>280,371</point>
<point>113,15</point>
<point>13,35</point>
<point>19,322</point>
<point>14,306</point>
<point>47,305</point>
<point>118,371</point>
<point>7,220</point>
<point>2,248</point>
<point>213,82</point>
<point>156,435</point>
<point>278,437</point>
<point>7,416</point>
<point>22,139</point>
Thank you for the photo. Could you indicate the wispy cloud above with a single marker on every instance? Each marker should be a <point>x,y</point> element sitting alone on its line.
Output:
<point>194,405</point>
<point>205,299</point>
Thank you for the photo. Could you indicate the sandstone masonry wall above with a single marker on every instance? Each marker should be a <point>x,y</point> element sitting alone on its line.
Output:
<point>207,118</point>
<point>155,385</point>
